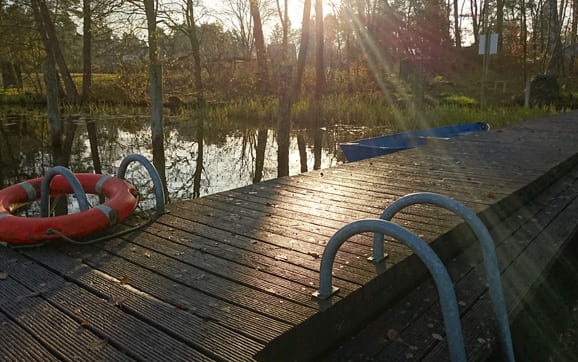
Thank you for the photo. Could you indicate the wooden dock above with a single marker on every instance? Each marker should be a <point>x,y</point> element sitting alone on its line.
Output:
<point>229,276</point>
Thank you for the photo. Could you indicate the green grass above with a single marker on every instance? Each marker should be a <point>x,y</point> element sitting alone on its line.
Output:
<point>446,102</point>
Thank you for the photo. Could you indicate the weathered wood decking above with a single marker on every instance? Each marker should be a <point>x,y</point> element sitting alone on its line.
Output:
<point>230,276</point>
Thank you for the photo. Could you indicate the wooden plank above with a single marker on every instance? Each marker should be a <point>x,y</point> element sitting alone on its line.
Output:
<point>417,311</point>
<point>69,341</point>
<point>18,345</point>
<point>317,210</point>
<point>94,313</point>
<point>543,236</point>
<point>261,242</point>
<point>179,307</point>
<point>283,235</point>
<point>294,287</point>
<point>250,255</point>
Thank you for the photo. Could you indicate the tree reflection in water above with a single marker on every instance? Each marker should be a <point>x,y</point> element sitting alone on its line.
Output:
<point>201,159</point>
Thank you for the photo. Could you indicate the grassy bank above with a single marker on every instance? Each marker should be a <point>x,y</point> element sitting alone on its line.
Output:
<point>363,110</point>
<point>445,103</point>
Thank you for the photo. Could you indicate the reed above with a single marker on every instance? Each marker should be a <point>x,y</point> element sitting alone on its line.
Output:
<point>361,110</point>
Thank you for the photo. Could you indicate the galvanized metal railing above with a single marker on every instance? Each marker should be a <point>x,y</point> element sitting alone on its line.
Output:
<point>72,180</point>
<point>488,252</point>
<point>435,266</point>
<point>384,226</point>
<point>159,190</point>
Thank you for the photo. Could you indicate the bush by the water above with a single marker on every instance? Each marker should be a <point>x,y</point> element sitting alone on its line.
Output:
<point>544,90</point>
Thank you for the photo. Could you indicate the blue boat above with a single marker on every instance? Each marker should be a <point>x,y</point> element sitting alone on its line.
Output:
<point>383,145</point>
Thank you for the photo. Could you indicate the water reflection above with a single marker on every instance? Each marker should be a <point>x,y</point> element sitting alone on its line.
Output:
<point>201,159</point>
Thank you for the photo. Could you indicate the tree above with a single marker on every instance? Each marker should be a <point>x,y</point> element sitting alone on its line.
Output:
<point>303,49</point>
<point>573,35</point>
<point>156,90</point>
<point>189,27</point>
<point>52,46</point>
<point>262,70</point>
<point>93,15</point>
<point>554,45</point>
<point>457,31</point>
<point>319,83</point>
<point>20,43</point>
<point>86,49</point>
<point>238,13</point>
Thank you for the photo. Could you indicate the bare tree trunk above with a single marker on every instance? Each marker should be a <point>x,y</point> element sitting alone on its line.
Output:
<point>86,50</point>
<point>56,129</point>
<point>554,47</point>
<point>303,49</point>
<point>475,20</point>
<point>156,93</point>
<point>573,36</point>
<point>525,41</point>
<point>194,40</point>
<point>500,24</point>
<point>457,31</point>
<point>262,71</point>
<point>48,35</point>
<point>320,84</point>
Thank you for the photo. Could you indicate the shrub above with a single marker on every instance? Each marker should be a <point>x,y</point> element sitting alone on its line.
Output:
<point>544,90</point>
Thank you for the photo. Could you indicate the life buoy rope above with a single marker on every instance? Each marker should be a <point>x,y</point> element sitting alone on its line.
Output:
<point>121,201</point>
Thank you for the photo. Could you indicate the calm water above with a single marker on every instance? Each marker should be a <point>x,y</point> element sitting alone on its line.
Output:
<point>228,161</point>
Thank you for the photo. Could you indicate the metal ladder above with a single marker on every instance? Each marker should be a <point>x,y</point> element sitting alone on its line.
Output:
<point>81,195</point>
<point>383,226</point>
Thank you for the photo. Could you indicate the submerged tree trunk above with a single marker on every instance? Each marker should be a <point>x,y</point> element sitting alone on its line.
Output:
<point>284,121</point>
<point>260,154</point>
<point>93,139</point>
<point>200,155</point>
<point>56,129</point>
<point>302,152</point>
<point>156,93</point>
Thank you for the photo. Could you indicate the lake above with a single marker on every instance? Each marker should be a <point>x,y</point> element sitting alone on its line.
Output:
<point>228,154</point>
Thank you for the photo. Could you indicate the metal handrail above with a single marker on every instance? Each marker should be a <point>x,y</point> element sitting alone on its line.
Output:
<point>72,180</point>
<point>488,252</point>
<point>435,266</point>
<point>159,190</point>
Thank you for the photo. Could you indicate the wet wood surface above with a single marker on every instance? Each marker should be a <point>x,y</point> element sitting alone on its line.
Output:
<point>230,276</point>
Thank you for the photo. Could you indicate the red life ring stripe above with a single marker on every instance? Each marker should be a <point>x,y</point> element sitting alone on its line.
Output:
<point>121,202</point>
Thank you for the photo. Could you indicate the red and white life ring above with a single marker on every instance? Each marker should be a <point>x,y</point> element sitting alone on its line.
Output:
<point>122,200</point>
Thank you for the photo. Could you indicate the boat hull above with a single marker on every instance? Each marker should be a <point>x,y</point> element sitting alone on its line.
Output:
<point>383,145</point>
